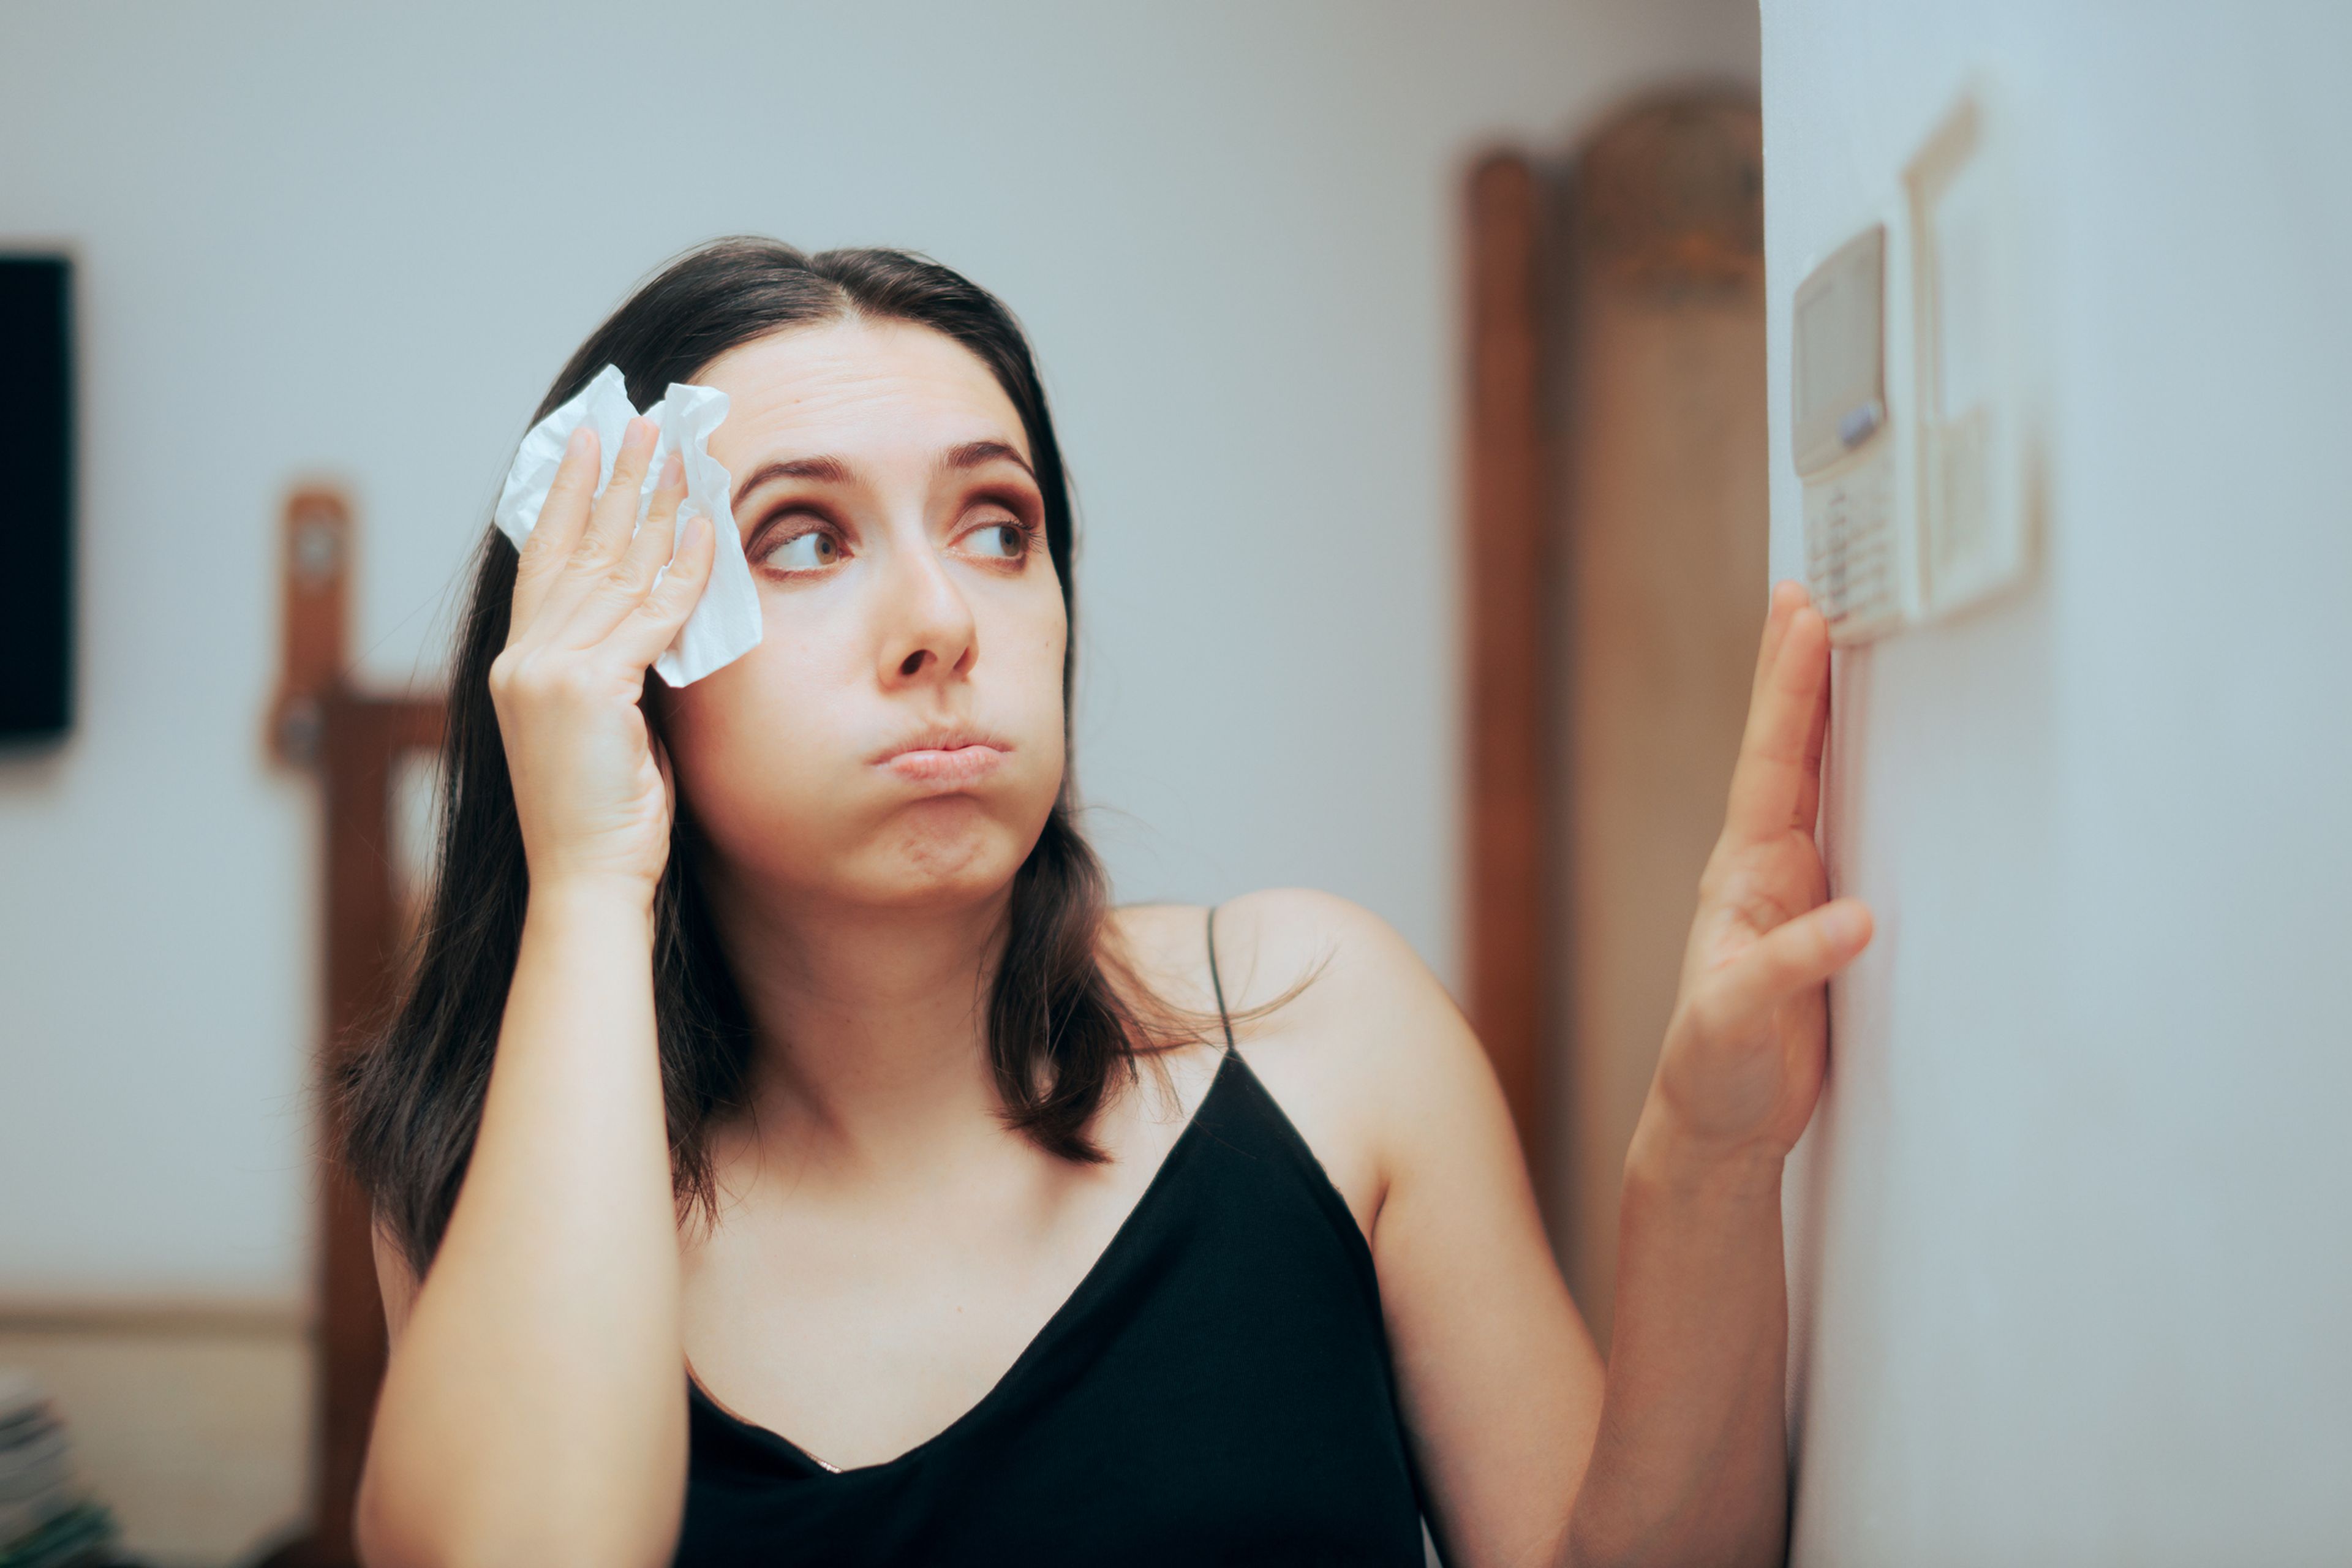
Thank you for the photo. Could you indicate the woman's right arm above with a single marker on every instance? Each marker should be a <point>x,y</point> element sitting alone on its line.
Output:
<point>533,1410</point>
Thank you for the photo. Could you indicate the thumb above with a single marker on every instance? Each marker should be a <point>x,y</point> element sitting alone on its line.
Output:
<point>1794,956</point>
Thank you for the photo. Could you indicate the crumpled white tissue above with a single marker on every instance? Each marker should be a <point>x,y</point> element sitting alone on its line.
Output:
<point>724,624</point>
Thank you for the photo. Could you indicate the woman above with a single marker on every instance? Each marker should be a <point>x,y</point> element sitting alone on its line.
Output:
<point>765,1123</point>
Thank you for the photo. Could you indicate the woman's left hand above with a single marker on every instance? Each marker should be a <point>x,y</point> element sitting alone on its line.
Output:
<point>1748,1041</point>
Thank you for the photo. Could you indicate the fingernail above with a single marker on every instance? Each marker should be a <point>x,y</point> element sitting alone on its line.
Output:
<point>578,443</point>
<point>673,471</point>
<point>1842,923</point>
<point>641,432</point>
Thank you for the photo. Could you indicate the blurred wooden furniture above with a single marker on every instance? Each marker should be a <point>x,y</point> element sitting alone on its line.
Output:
<point>357,744</point>
<point>1508,544</point>
<point>1615,536</point>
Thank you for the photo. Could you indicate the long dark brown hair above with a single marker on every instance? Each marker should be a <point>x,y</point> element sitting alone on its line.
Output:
<point>1063,1016</point>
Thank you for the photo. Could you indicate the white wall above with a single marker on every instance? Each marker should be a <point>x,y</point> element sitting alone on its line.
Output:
<point>2073,1242</point>
<point>318,241</point>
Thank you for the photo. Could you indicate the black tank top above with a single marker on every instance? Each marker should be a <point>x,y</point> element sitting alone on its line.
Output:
<point>1217,1390</point>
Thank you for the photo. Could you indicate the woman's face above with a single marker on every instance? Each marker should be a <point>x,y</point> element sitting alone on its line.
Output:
<point>896,738</point>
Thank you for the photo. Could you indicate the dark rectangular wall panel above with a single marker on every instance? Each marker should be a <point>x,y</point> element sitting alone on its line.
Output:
<point>36,503</point>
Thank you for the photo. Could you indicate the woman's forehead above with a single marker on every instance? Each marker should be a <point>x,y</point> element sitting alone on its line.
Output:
<point>852,386</point>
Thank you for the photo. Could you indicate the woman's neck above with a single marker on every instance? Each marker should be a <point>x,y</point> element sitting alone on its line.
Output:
<point>872,1026</point>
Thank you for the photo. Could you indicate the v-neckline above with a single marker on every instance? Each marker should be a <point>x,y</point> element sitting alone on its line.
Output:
<point>1051,1329</point>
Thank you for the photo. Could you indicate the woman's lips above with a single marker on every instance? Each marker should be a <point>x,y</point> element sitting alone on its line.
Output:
<point>945,768</point>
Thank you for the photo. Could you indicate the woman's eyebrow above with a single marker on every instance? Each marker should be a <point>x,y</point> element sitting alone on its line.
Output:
<point>972,454</point>
<point>834,471</point>
<point>824,470</point>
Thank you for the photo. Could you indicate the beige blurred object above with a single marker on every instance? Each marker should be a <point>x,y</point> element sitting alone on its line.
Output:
<point>190,1421</point>
<point>1666,520</point>
<point>1628,555</point>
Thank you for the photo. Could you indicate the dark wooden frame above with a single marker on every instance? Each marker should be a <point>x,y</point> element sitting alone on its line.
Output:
<point>355,742</point>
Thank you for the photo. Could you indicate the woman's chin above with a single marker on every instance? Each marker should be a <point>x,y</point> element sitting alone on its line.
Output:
<point>943,859</point>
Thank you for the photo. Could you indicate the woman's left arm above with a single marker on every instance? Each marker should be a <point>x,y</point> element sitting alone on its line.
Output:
<point>1691,1463</point>
<point>1679,1454</point>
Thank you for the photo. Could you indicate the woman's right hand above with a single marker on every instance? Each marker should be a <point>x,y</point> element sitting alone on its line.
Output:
<point>591,788</point>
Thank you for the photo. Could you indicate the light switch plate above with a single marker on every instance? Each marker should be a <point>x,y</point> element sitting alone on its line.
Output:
<point>1970,342</point>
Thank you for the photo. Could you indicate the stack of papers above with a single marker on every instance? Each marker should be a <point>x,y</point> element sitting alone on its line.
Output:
<point>46,1519</point>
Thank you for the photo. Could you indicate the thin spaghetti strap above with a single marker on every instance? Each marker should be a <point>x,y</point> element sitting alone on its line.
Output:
<point>1218,985</point>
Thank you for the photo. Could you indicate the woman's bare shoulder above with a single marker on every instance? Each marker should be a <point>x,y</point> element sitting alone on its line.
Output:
<point>1336,1014</point>
<point>1273,948</point>
<point>1335,961</point>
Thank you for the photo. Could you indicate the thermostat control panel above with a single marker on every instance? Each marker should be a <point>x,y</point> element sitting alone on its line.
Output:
<point>1918,501</point>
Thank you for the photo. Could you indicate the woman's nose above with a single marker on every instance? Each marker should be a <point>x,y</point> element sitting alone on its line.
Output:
<point>928,629</point>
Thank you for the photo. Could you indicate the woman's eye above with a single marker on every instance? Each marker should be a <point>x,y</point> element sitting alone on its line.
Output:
<point>803,552</point>
<point>1001,541</point>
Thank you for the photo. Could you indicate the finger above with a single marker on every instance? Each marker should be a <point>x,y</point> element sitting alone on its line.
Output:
<point>651,547</point>
<point>1768,782</point>
<point>653,624</point>
<point>1808,789</point>
<point>561,516</point>
<point>1788,596</point>
<point>621,587</point>
<point>1791,959</point>
<point>614,517</point>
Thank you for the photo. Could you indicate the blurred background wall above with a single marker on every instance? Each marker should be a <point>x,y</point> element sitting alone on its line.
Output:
<point>328,243</point>
<point>322,242</point>
<point>2068,1259</point>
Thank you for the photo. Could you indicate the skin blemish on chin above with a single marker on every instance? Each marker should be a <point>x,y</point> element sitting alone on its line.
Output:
<point>937,839</point>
